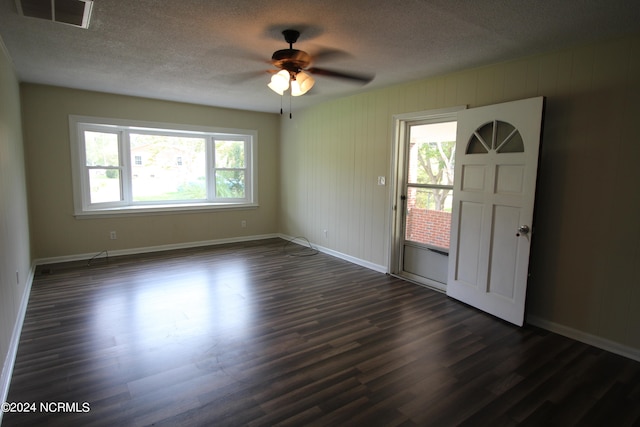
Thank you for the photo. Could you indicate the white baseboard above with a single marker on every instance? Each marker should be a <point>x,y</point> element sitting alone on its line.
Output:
<point>596,341</point>
<point>159,248</point>
<point>8,363</point>
<point>363,263</point>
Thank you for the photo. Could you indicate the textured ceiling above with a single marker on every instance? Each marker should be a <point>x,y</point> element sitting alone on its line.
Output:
<point>216,52</point>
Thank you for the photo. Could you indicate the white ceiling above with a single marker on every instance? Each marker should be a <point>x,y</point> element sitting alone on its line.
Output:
<point>215,52</point>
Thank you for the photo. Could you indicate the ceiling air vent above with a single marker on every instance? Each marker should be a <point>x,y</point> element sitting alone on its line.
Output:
<point>70,12</point>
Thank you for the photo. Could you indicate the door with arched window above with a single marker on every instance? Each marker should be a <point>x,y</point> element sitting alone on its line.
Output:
<point>492,212</point>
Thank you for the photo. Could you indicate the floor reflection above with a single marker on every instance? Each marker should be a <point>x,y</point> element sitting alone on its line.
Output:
<point>171,315</point>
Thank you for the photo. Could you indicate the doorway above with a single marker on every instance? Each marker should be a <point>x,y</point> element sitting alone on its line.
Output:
<point>423,193</point>
<point>487,203</point>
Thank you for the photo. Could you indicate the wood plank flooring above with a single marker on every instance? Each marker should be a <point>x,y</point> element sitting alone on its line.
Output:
<point>250,334</point>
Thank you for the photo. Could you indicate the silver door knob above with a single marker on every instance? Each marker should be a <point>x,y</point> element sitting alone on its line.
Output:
<point>523,229</point>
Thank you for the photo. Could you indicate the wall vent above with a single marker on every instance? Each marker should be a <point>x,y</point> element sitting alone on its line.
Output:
<point>70,12</point>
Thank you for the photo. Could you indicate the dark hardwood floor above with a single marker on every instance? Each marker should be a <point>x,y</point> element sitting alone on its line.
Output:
<point>250,335</point>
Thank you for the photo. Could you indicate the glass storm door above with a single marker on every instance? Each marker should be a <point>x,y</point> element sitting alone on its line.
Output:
<point>426,199</point>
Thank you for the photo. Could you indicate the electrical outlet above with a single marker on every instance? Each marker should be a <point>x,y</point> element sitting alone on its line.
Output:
<point>243,223</point>
<point>326,233</point>
<point>382,180</point>
<point>112,235</point>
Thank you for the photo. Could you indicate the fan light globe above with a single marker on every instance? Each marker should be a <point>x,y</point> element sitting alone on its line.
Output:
<point>279,82</point>
<point>301,84</point>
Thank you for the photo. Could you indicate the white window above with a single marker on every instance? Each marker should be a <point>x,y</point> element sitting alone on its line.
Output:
<point>124,167</point>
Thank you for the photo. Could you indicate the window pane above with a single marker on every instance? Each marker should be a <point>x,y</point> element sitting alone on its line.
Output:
<point>167,168</point>
<point>104,185</point>
<point>476,146</point>
<point>486,134</point>
<point>509,139</point>
<point>432,153</point>
<point>429,216</point>
<point>229,154</point>
<point>230,184</point>
<point>101,149</point>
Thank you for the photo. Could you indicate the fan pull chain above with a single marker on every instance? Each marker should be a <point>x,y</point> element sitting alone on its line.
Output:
<point>290,109</point>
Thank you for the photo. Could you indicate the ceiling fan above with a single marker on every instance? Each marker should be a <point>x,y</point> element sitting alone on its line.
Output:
<point>294,71</point>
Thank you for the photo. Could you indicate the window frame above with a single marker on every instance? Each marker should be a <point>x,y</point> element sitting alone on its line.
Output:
<point>126,206</point>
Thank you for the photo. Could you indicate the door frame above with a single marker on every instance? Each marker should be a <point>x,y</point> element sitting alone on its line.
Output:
<point>398,166</point>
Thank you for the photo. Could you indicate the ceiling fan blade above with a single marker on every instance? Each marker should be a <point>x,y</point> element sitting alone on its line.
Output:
<point>358,77</point>
<point>329,54</point>
<point>238,78</point>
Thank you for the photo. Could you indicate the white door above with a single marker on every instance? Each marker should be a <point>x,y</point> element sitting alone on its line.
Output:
<point>494,186</point>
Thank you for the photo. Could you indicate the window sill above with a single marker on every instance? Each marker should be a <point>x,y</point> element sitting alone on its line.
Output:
<point>162,210</point>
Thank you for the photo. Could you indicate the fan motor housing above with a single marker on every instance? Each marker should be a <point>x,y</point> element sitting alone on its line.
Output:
<point>292,60</point>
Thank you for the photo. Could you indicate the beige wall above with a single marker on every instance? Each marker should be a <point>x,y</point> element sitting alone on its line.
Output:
<point>14,228</point>
<point>586,252</point>
<point>57,233</point>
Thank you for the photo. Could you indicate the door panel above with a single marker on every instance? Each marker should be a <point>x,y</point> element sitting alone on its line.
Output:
<point>425,262</point>
<point>509,179</point>
<point>469,243</point>
<point>473,178</point>
<point>504,251</point>
<point>496,165</point>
